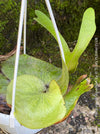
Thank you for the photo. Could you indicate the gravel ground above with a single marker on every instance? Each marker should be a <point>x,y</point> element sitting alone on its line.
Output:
<point>79,122</point>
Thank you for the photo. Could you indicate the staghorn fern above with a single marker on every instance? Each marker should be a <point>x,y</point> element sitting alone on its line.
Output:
<point>42,96</point>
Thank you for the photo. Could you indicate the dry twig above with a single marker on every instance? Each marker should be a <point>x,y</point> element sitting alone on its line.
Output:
<point>5,57</point>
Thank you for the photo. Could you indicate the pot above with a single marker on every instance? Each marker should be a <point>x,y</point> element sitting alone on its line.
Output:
<point>19,129</point>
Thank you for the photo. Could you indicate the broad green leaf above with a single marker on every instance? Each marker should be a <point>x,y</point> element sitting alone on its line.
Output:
<point>32,66</point>
<point>87,31</point>
<point>41,69</point>
<point>47,23</point>
<point>36,104</point>
<point>3,84</point>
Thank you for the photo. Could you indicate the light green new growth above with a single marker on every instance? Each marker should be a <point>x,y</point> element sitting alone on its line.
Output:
<point>37,106</point>
<point>77,90</point>
<point>87,31</point>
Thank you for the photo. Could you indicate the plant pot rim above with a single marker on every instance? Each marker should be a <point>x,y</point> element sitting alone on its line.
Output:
<point>19,129</point>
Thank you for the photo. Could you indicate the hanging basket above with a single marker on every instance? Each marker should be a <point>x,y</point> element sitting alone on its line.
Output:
<point>18,129</point>
<point>4,121</point>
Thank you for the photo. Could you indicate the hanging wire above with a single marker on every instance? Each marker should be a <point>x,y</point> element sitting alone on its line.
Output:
<point>55,28</point>
<point>12,119</point>
<point>25,19</point>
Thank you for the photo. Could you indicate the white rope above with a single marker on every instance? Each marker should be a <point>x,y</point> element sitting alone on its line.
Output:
<point>55,27</point>
<point>25,16</point>
<point>12,119</point>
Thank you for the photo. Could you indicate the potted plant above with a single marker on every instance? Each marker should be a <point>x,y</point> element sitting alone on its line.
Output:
<point>42,95</point>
